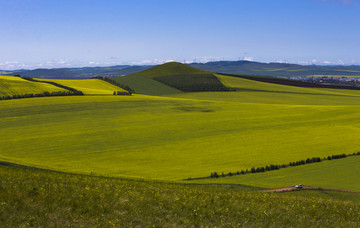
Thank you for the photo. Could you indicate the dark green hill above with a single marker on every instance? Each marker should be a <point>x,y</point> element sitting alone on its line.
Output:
<point>177,76</point>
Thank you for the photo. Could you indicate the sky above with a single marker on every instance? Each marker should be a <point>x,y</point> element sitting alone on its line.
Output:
<point>74,33</point>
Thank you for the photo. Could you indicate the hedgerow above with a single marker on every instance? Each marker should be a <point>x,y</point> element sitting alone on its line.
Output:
<point>276,167</point>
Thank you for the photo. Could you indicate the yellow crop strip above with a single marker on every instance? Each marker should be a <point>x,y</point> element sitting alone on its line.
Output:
<point>10,85</point>
<point>88,86</point>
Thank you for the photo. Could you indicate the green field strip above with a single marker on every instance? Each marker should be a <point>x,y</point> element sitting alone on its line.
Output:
<point>336,174</point>
<point>242,84</point>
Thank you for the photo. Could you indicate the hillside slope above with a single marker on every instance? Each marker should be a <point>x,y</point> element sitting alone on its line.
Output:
<point>10,86</point>
<point>145,85</point>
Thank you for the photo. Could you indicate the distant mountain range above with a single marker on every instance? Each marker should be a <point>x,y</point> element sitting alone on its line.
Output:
<point>275,69</point>
<point>82,72</point>
<point>230,67</point>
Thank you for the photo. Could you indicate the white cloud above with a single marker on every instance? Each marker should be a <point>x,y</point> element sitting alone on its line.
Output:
<point>303,62</point>
<point>249,58</point>
<point>62,61</point>
<point>326,62</point>
<point>314,61</point>
<point>341,62</point>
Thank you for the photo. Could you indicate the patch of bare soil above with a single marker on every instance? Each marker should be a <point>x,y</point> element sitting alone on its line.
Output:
<point>293,188</point>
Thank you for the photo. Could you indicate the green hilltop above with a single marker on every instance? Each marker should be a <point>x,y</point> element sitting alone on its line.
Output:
<point>172,78</point>
<point>171,68</point>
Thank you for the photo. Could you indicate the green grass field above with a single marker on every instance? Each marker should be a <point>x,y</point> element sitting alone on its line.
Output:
<point>88,86</point>
<point>10,86</point>
<point>138,151</point>
<point>33,198</point>
<point>187,135</point>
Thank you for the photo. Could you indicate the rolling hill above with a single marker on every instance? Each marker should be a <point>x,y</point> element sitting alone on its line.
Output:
<point>175,75</point>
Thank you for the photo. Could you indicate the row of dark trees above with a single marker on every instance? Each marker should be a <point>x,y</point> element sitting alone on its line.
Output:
<point>276,167</point>
<point>44,94</point>
<point>111,81</point>
<point>121,93</point>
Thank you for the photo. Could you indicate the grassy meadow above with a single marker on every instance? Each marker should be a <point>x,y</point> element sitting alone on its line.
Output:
<point>185,135</point>
<point>131,156</point>
<point>35,198</point>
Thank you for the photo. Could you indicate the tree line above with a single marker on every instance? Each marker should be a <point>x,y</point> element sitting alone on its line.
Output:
<point>43,94</point>
<point>115,83</point>
<point>276,167</point>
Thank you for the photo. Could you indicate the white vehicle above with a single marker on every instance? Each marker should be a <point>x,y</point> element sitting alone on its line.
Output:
<point>298,186</point>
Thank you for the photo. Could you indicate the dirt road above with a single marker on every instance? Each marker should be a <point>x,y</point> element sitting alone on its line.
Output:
<point>292,188</point>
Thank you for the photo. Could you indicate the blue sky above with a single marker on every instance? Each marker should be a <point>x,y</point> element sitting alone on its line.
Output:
<point>68,33</point>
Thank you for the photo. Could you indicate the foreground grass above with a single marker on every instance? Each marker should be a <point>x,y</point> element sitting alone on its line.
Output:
<point>49,199</point>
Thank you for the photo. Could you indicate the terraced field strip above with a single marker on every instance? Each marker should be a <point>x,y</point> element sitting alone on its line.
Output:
<point>10,85</point>
<point>88,86</point>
